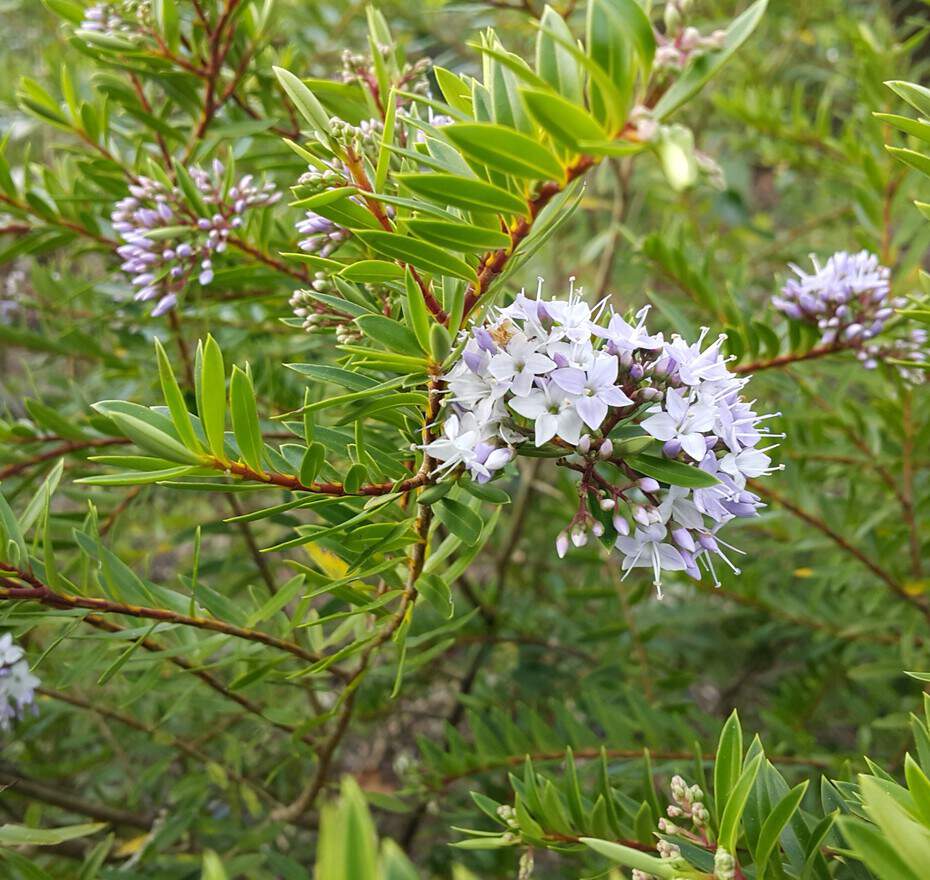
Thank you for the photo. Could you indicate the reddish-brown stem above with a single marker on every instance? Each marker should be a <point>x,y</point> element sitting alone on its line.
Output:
<point>843,544</point>
<point>58,221</point>
<point>495,262</point>
<point>42,593</point>
<point>156,647</point>
<point>785,360</point>
<point>65,448</point>
<point>357,170</point>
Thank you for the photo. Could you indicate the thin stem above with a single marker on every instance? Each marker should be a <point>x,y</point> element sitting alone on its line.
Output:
<point>844,545</point>
<point>44,595</point>
<point>14,783</point>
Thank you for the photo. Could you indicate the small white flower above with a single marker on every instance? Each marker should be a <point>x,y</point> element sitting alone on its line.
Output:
<point>682,421</point>
<point>553,411</point>
<point>517,366</point>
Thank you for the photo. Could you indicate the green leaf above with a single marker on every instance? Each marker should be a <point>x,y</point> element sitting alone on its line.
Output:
<point>417,253</point>
<point>415,311</point>
<point>916,160</point>
<point>736,803</point>
<point>728,761</point>
<point>20,835</point>
<point>916,95</point>
<point>459,236</point>
<point>702,68</point>
<point>630,858</point>
<point>245,424</point>
<point>312,463</point>
<point>915,127</point>
<point>212,867</point>
<point>553,63</point>
<point>454,89</point>
<point>174,399</point>
<point>213,397</point>
<point>165,13</point>
<point>304,100</point>
<point>437,593</point>
<point>672,472</point>
<point>563,121</point>
<point>371,272</point>
<point>774,823</point>
<point>151,439</point>
<point>461,520</point>
<point>390,333</point>
<point>467,193</point>
<point>505,149</point>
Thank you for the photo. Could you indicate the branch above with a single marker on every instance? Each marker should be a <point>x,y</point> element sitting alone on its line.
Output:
<point>44,595</point>
<point>785,360</point>
<point>417,558</point>
<point>844,545</point>
<point>58,797</point>
<point>495,262</point>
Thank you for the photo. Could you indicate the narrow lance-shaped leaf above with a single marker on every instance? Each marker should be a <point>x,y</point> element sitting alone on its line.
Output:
<point>245,418</point>
<point>213,397</point>
<point>175,400</point>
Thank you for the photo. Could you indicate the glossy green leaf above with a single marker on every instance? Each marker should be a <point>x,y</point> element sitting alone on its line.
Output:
<point>505,149</point>
<point>564,122</point>
<point>417,253</point>
<point>463,192</point>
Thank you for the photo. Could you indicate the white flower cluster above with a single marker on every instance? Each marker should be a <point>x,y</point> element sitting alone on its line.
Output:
<point>619,401</point>
<point>17,683</point>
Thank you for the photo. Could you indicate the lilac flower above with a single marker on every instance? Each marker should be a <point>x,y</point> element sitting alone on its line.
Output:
<point>17,683</point>
<point>595,389</point>
<point>466,442</point>
<point>624,337</point>
<point>682,420</point>
<point>519,364</point>
<point>553,412</point>
<point>322,235</point>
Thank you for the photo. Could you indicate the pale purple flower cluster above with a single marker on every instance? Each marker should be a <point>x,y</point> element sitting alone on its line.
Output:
<point>17,683</point>
<point>322,235</point>
<point>115,18</point>
<point>167,241</point>
<point>562,374</point>
<point>848,298</point>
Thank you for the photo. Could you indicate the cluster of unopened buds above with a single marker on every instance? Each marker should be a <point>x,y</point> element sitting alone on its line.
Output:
<point>167,241</point>
<point>318,316</point>
<point>615,403</point>
<point>849,300</point>
<point>688,818</point>
<point>680,42</point>
<point>17,683</point>
<point>359,68</point>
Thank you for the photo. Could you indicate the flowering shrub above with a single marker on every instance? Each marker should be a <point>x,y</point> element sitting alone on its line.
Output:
<point>313,521</point>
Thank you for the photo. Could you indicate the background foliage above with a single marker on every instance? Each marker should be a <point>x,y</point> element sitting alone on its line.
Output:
<point>201,749</point>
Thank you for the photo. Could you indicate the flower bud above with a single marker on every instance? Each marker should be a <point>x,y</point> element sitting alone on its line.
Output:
<point>561,545</point>
<point>608,504</point>
<point>584,445</point>
<point>620,524</point>
<point>648,484</point>
<point>607,449</point>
